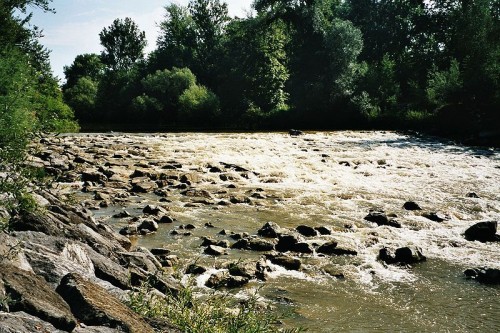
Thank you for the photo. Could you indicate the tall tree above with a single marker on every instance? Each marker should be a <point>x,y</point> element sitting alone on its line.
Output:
<point>123,44</point>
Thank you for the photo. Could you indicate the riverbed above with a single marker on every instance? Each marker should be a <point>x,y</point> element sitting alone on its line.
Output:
<point>319,179</point>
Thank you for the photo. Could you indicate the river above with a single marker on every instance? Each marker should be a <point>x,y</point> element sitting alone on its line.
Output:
<point>333,179</point>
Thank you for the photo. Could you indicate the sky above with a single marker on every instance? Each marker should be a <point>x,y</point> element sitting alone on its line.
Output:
<point>75,27</point>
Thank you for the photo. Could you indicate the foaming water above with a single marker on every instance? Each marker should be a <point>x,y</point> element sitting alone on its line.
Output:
<point>333,179</point>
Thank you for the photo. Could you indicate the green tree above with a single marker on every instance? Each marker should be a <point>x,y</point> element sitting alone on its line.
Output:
<point>82,97</point>
<point>123,44</point>
<point>84,65</point>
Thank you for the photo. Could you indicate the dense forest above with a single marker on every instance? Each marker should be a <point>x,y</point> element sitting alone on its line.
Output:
<point>305,63</point>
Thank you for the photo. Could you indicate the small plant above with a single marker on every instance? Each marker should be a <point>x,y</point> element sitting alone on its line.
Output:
<point>214,313</point>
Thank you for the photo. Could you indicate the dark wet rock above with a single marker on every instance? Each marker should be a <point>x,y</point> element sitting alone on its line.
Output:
<point>138,259</point>
<point>160,251</point>
<point>215,169</point>
<point>238,235</point>
<point>380,218</point>
<point>484,275</point>
<point>236,281</point>
<point>334,248</point>
<point>164,284</point>
<point>129,230</point>
<point>295,132</point>
<point>302,247</point>
<point>153,210</point>
<point>215,250</point>
<point>286,243</point>
<point>197,193</point>
<point>483,232</point>
<point>21,322</point>
<point>270,230</point>
<point>406,255</point>
<point>216,280</point>
<point>257,195</point>
<point>411,205</point>
<point>210,241</point>
<point>472,195</point>
<point>195,269</point>
<point>94,176</point>
<point>30,293</point>
<point>187,226</point>
<point>436,217</point>
<point>148,225</point>
<point>254,244</point>
<point>189,178</point>
<point>323,230</point>
<point>239,200</point>
<point>209,225</point>
<point>165,219</point>
<point>93,305</point>
<point>307,231</point>
<point>288,262</point>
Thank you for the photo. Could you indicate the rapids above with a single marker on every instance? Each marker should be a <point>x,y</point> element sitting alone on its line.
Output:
<point>333,179</point>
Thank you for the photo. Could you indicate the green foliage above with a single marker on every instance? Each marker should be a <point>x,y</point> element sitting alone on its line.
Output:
<point>445,87</point>
<point>198,104</point>
<point>81,97</point>
<point>89,66</point>
<point>213,314</point>
<point>123,44</point>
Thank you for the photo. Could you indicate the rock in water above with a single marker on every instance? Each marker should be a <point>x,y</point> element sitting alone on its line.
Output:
<point>483,232</point>
<point>307,231</point>
<point>403,256</point>
<point>411,205</point>
<point>270,230</point>
<point>380,218</point>
<point>484,275</point>
<point>295,132</point>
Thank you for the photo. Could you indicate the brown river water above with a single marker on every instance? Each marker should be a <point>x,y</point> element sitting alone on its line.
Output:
<point>333,179</point>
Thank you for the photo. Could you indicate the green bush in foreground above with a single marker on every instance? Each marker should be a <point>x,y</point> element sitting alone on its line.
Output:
<point>210,314</point>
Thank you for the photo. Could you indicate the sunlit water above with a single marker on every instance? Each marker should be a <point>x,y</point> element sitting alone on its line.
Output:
<point>333,179</point>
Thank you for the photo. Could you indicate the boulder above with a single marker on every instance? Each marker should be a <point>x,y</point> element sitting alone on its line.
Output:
<point>328,247</point>
<point>21,322</point>
<point>246,269</point>
<point>380,218</point>
<point>254,244</point>
<point>334,248</point>
<point>30,293</point>
<point>302,247</point>
<point>195,269</point>
<point>214,250</point>
<point>406,255</point>
<point>94,176</point>
<point>165,219</point>
<point>483,232</point>
<point>93,305</point>
<point>323,230</point>
<point>288,262</point>
<point>434,216</point>
<point>216,280</point>
<point>307,231</point>
<point>484,275</point>
<point>295,132</point>
<point>148,225</point>
<point>286,243</point>
<point>236,281</point>
<point>270,230</point>
<point>153,210</point>
<point>144,186</point>
<point>411,205</point>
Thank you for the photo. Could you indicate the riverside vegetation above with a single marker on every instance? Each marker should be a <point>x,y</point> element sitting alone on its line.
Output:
<point>292,62</point>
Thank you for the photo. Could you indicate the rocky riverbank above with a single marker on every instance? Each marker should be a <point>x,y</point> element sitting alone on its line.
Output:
<point>65,270</point>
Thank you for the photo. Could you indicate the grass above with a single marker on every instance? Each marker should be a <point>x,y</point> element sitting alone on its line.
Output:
<point>215,313</point>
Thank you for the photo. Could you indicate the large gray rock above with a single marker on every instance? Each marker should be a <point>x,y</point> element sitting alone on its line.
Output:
<point>406,255</point>
<point>21,322</point>
<point>484,275</point>
<point>380,218</point>
<point>31,294</point>
<point>93,305</point>
<point>270,230</point>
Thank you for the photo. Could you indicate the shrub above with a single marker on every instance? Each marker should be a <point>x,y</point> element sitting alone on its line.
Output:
<point>197,103</point>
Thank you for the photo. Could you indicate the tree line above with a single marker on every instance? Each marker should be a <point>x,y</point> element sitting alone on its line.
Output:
<point>308,63</point>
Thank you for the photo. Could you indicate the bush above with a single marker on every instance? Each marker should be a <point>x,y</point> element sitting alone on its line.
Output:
<point>211,314</point>
<point>197,104</point>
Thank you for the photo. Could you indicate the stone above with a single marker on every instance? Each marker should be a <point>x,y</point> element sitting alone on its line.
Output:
<point>323,230</point>
<point>195,269</point>
<point>270,230</point>
<point>483,232</point>
<point>295,132</point>
<point>165,219</point>
<point>286,243</point>
<point>30,293</point>
<point>380,218</point>
<point>254,244</point>
<point>243,268</point>
<point>148,225</point>
<point>216,280</point>
<point>411,205</point>
<point>472,195</point>
<point>328,247</point>
<point>302,247</point>
<point>236,281</point>
<point>94,176</point>
<point>145,186</point>
<point>406,255</point>
<point>160,251</point>
<point>138,259</point>
<point>21,322</point>
<point>93,305</point>
<point>288,262</point>
<point>121,215</point>
<point>307,231</point>
<point>153,210</point>
<point>436,217</point>
<point>214,250</point>
<point>484,275</point>
<point>334,248</point>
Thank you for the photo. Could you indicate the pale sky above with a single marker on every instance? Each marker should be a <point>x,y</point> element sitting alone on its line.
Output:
<point>75,27</point>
